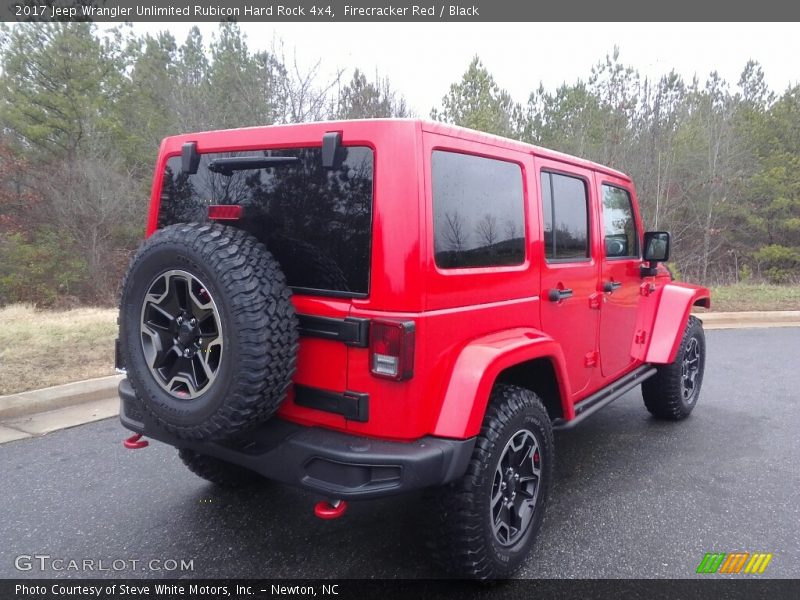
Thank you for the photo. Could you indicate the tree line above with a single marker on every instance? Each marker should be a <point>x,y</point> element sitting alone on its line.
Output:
<point>715,163</point>
<point>82,115</point>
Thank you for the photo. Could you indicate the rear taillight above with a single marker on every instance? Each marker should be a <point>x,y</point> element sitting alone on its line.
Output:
<point>391,349</point>
<point>225,212</point>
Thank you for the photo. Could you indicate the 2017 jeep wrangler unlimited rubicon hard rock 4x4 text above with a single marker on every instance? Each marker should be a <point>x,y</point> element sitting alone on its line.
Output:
<point>363,308</point>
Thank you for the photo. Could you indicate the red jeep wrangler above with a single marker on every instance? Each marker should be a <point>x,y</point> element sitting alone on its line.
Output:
<point>365,308</point>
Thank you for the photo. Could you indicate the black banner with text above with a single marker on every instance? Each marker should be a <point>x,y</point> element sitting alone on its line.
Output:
<point>261,589</point>
<point>394,10</point>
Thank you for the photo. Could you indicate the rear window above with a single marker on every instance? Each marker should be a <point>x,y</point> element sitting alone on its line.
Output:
<point>478,211</point>
<point>317,222</point>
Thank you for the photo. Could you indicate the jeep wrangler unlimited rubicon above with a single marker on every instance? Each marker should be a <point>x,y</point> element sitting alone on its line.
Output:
<point>363,308</point>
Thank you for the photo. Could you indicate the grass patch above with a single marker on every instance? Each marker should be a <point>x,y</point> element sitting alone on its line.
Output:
<point>40,348</point>
<point>755,296</point>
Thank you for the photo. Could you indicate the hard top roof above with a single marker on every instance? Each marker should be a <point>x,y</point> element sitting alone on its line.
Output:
<point>428,126</point>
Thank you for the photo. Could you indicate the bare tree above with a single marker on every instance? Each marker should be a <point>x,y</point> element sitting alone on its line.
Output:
<point>486,229</point>
<point>511,229</point>
<point>305,97</point>
<point>454,232</point>
<point>96,202</point>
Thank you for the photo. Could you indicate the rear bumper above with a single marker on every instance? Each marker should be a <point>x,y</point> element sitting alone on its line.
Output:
<point>331,463</point>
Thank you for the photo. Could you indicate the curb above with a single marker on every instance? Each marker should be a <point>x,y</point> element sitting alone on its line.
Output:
<point>59,396</point>
<point>737,320</point>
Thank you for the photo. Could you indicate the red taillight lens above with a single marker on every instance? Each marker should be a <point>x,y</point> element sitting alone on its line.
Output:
<point>391,349</point>
<point>225,212</point>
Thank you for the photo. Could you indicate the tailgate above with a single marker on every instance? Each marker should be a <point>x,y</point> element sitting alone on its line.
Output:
<point>319,394</point>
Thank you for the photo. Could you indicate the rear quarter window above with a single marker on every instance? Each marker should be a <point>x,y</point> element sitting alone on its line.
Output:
<point>478,211</point>
<point>316,221</point>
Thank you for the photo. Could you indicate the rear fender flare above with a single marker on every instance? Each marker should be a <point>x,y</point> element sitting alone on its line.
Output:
<point>477,368</point>
<point>675,304</point>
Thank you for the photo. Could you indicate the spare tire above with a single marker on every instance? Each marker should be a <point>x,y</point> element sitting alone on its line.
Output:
<point>208,332</point>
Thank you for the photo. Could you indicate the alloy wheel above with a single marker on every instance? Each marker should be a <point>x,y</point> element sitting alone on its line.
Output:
<point>515,488</point>
<point>181,334</point>
<point>690,369</point>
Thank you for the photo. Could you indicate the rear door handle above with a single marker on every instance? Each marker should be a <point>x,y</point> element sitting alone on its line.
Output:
<point>610,286</point>
<point>556,295</point>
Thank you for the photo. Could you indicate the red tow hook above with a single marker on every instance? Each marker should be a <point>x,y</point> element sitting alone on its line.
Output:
<point>330,509</point>
<point>134,443</point>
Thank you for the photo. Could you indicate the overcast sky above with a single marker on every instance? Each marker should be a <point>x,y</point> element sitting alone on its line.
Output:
<point>422,60</point>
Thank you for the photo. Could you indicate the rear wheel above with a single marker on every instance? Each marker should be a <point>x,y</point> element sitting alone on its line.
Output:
<point>672,393</point>
<point>218,471</point>
<point>486,523</point>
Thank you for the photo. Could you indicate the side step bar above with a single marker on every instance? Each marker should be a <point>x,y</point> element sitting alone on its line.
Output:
<point>606,396</point>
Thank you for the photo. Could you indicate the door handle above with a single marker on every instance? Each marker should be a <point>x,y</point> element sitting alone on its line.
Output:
<point>556,295</point>
<point>610,286</point>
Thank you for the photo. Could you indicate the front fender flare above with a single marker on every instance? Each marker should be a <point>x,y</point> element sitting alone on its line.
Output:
<point>674,305</point>
<point>476,369</point>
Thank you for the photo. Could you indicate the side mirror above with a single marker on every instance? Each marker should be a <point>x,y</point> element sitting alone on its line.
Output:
<point>656,250</point>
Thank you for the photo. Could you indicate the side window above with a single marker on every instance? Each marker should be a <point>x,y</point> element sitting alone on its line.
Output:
<point>619,225</point>
<point>565,204</point>
<point>478,211</point>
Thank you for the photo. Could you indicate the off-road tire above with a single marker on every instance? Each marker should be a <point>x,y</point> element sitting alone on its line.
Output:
<point>664,393</point>
<point>218,471</point>
<point>462,539</point>
<point>258,324</point>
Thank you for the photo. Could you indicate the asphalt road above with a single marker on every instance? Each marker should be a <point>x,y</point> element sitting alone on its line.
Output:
<point>633,497</point>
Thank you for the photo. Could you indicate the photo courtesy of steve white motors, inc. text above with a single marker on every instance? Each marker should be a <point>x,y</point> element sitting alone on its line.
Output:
<point>84,590</point>
<point>246,11</point>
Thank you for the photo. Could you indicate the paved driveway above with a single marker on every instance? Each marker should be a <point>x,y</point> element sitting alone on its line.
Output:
<point>633,497</point>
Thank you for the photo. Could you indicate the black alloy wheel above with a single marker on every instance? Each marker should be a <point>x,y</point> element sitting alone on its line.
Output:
<point>181,334</point>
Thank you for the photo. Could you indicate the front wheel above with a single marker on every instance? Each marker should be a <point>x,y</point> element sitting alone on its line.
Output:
<point>672,393</point>
<point>486,523</point>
